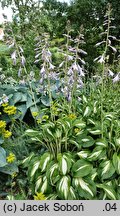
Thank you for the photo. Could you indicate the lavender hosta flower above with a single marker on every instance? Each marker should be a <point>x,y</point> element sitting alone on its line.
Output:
<point>82,51</point>
<point>70,72</point>
<point>116,78</point>
<point>11,45</point>
<point>5,99</point>
<point>43,71</point>
<point>14,57</point>
<point>113,48</point>
<point>99,43</point>
<point>51,66</point>
<point>21,49</point>
<point>19,72</point>
<point>22,82</point>
<point>23,61</point>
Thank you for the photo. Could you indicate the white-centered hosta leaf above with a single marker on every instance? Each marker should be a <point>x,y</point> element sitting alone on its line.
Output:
<point>106,169</point>
<point>85,188</point>
<point>38,183</point>
<point>116,163</point>
<point>87,111</point>
<point>34,168</point>
<point>81,168</point>
<point>63,187</point>
<point>64,162</point>
<point>109,191</point>
<point>44,161</point>
<point>98,153</point>
<point>83,154</point>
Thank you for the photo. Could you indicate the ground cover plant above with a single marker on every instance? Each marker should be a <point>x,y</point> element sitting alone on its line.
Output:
<point>59,115</point>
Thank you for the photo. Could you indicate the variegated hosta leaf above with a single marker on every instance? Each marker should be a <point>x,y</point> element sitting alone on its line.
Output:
<point>65,163</point>
<point>38,183</point>
<point>72,195</point>
<point>109,191</point>
<point>63,187</point>
<point>32,133</point>
<point>101,142</point>
<point>45,186</point>
<point>91,121</point>
<point>53,173</point>
<point>83,154</point>
<point>27,160</point>
<point>44,161</point>
<point>116,163</point>
<point>81,168</point>
<point>79,123</point>
<point>86,141</point>
<point>106,169</point>
<point>95,131</point>
<point>33,167</point>
<point>87,111</point>
<point>97,154</point>
<point>85,188</point>
<point>52,197</point>
<point>65,124</point>
<point>84,99</point>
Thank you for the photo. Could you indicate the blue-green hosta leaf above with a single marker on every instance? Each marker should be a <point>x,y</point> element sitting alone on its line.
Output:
<point>86,189</point>
<point>116,163</point>
<point>83,154</point>
<point>79,123</point>
<point>102,142</point>
<point>2,157</point>
<point>98,153</point>
<point>81,168</point>
<point>72,195</point>
<point>63,187</point>
<point>38,183</point>
<point>65,163</point>
<point>1,140</point>
<point>44,161</point>
<point>9,169</point>
<point>110,192</point>
<point>106,169</point>
<point>87,111</point>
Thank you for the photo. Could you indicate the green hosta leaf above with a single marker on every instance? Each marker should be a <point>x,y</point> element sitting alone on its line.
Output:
<point>72,141</point>
<point>83,154</point>
<point>2,157</point>
<point>79,123</point>
<point>64,162</point>
<point>44,161</point>
<point>97,153</point>
<point>106,169</point>
<point>38,183</point>
<point>63,187</point>
<point>116,163</point>
<point>102,142</point>
<point>87,111</point>
<point>117,141</point>
<point>81,168</point>
<point>86,189</point>
<point>110,192</point>
<point>72,195</point>
<point>53,172</point>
